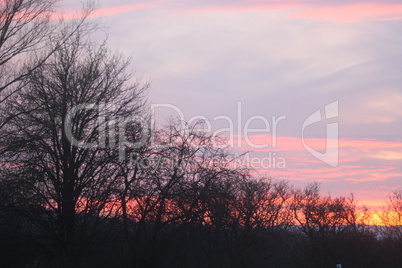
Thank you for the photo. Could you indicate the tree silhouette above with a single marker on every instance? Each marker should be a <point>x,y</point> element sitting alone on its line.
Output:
<point>59,154</point>
<point>30,32</point>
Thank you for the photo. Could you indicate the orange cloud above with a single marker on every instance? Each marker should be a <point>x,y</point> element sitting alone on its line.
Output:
<point>387,155</point>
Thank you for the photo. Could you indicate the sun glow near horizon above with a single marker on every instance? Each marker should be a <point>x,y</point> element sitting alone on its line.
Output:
<point>289,58</point>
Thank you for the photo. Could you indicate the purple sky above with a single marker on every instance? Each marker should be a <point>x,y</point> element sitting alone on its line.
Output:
<point>279,58</point>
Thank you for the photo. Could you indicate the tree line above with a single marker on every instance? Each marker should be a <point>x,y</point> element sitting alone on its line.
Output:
<point>87,180</point>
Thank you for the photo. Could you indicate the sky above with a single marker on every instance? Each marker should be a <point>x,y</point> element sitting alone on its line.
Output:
<point>319,82</point>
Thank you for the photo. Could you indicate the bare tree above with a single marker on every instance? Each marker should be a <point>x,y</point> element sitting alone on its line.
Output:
<point>62,146</point>
<point>263,203</point>
<point>391,215</point>
<point>24,27</point>
<point>323,220</point>
<point>30,32</point>
<point>167,188</point>
<point>318,214</point>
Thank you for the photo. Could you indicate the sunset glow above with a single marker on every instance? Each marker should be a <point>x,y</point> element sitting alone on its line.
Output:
<point>329,50</point>
<point>187,133</point>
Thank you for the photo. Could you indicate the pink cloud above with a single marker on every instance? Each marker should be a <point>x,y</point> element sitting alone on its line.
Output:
<point>298,9</point>
<point>361,162</point>
<point>373,178</point>
<point>295,144</point>
<point>107,11</point>
<point>352,12</point>
<point>244,7</point>
<point>301,9</point>
<point>121,9</point>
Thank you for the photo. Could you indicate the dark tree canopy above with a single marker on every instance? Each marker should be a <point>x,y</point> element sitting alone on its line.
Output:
<point>69,180</point>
